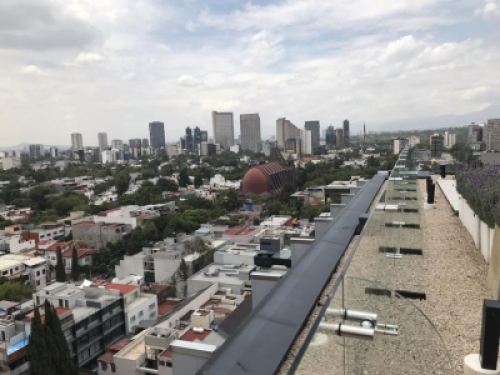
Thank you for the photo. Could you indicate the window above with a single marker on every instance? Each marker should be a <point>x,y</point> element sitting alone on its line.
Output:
<point>113,367</point>
<point>61,303</point>
<point>141,314</point>
<point>43,271</point>
<point>66,304</point>
<point>152,306</point>
<point>104,366</point>
<point>38,282</point>
<point>132,320</point>
<point>37,300</point>
<point>5,272</point>
<point>37,272</point>
<point>17,268</point>
<point>152,315</point>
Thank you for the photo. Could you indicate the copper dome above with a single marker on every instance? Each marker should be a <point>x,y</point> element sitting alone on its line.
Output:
<point>259,179</point>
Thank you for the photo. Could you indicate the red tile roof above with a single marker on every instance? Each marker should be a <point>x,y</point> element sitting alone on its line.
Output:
<point>86,223</point>
<point>54,247</point>
<point>107,357</point>
<point>105,213</point>
<point>122,288</point>
<point>119,345</point>
<point>60,311</point>
<point>166,354</point>
<point>80,253</point>
<point>166,306</point>
<point>191,335</point>
<point>239,231</point>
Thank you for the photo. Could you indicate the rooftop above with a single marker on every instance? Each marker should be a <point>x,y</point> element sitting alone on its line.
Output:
<point>123,289</point>
<point>80,253</point>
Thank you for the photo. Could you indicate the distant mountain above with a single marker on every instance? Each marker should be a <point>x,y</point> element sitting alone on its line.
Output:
<point>25,147</point>
<point>442,121</point>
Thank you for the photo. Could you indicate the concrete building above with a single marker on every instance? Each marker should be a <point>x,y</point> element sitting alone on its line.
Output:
<point>10,162</point>
<point>117,144</point>
<point>437,144</point>
<point>108,156</point>
<point>449,139</point>
<point>156,136</point>
<point>223,128</point>
<point>475,133</point>
<point>250,131</point>
<point>306,142</point>
<point>54,152</point>
<point>138,306</point>
<point>233,277</point>
<point>84,257</point>
<point>285,130</point>
<point>339,135</point>
<point>15,265</point>
<point>491,135</point>
<point>133,216</point>
<point>102,139</point>
<point>347,133</point>
<point>36,151</point>
<point>397,145</point>
<point>94,319</point>
<point>76,142</point>
<point>98,234</point>
<point>314,127</point>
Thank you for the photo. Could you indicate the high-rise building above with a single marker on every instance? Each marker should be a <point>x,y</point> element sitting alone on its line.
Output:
<point>76,142</point>
<point>449,139</point>
<point>314,127</point>
<point>306,138</point>
<point>330,137</point>
<point>339,135</point>
<point>188,140</point>
<point>223,128</point>
<point>54,152</point>
<point>145,143</point>
<point>117,144</point>
<point>347,134</point>
<point>36,151</point>
<point>437,143</point>
<point>250,131</point>
<point>157,136</point>
<point>475,133</point>
<point>491,135</point>
<point>102,139</point>
<point>285,130</point>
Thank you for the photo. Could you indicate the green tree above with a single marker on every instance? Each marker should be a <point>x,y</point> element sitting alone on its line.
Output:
<point>198,181</point>
<point>122,182</point>
<point>39,195</point>
<point>183,178</point>
<point>75,267</point>
<point>38,351</point>
<point>167,185</point>
<point>59,350</point>
<point>149,232</point>
<point>60,271</point>
<point>15,291</point>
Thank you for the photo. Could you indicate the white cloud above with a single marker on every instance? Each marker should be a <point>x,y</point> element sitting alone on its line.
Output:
<point>188,81</point>
<point>88,58</point>
<point>32,70</point>
<point>490,8</point>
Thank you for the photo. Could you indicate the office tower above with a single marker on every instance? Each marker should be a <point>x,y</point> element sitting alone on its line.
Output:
<point>223,128</point>
<point>250,131</point>
<point>188,140</point>
<point>306,138</point>
<point>102,139</point>
<point>449,139</point>
<point>76,142</point>
<point>330,137</point>
<point>437,143</point>
<point>314,127</point>
<point>285,130</point>
<point>491,135</point>
<point>157,136</point>
<point>475,133</point>
<point>117,144</point>
<point>347,135</point>
<point>54,152</point>
<point>145,143</point>
<point>339,135</point>
<point>36,151</point>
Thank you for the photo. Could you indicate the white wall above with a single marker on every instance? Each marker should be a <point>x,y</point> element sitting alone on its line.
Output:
<point>130,265</point>
<point>145,309</point>
<point>17,245</point>
<point>165,268</point>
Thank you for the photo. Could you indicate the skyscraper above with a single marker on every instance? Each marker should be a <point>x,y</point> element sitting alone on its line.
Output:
<point>491,135</point>
<point>306,138</point>
<point>145,143</point>
<point>250,131</point>
<point>285,130</point>
<point>102,139</point>
<point>189,140</point>
<point>117,144</point>
<point>76,142</point>
<point>314,127</point>
<point>36,151</point>
<point>330,137</point>
<point>223,128</point>
<point>347,135</point>
<point>339,134</point>
<point>157,136</point>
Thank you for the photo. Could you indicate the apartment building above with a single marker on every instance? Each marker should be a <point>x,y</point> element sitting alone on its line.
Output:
<point>138,306</point>
<point>84,257</point>
<point>95,321</point>
<point>99,234</point>
<point>33,267</point>
<point>133,216</point>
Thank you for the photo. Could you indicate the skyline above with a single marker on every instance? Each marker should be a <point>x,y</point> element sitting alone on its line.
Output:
<point>115,66</point>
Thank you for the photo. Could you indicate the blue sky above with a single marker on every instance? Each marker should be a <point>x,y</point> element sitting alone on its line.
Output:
<point>114,65</point>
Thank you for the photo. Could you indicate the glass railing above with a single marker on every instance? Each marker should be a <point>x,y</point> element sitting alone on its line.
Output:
<point>373,320</point>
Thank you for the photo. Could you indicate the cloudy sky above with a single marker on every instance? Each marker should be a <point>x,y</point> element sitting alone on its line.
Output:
<point>115,65</point>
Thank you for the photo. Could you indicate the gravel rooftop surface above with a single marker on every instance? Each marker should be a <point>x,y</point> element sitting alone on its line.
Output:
<point>452,274</point>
